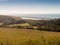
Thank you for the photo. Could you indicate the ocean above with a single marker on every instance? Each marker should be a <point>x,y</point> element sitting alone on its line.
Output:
<point>39,16</point>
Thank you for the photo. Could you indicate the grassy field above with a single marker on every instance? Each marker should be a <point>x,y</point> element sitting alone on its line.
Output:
<point>12,36</point>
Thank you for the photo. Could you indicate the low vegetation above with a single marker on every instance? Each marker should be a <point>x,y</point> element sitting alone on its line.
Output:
<point>47,25</point>
<point>17,22</point>
<point>15,31</point>
<point>13,36</point>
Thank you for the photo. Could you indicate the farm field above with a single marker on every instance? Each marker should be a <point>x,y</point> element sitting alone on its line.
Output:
<point>13,36</point>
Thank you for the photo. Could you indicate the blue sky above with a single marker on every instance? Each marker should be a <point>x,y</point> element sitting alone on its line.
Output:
<point>29,6</point>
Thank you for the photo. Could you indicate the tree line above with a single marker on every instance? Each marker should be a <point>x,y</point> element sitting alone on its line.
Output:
<point>47,25</point>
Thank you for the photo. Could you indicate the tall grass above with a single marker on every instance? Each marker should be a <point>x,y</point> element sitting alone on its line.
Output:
<point>13,36</point>
<point>32,42</point>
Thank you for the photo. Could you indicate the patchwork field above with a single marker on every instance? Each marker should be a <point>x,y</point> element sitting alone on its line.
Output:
<point>13,36</point>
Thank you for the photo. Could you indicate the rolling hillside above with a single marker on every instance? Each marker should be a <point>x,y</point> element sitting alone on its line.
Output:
<point>47,25</point>
<point>13,36</point>
<point>10,20</point>
<point>17,31</point>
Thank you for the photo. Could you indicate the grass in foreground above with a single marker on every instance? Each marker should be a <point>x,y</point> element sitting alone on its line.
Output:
<point>12,36</point>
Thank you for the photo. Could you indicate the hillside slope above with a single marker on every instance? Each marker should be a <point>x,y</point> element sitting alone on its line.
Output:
<point>10,19</point>
<point>12,36</point>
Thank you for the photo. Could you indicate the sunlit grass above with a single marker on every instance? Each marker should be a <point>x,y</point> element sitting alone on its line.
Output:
<point>28,36</point>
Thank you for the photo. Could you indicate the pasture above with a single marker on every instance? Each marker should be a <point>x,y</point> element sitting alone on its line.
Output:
<point>13,36</point>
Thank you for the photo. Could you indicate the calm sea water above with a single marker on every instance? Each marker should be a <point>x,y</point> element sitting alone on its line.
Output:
<point>41,15</point>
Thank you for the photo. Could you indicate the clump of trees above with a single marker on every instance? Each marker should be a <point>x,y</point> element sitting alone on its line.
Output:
<point>47,25</point>
<point>50,25</point>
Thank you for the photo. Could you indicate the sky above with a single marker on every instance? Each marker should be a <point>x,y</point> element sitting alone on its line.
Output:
<point>29,7</point>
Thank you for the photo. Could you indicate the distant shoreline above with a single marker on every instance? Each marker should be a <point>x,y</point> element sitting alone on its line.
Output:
<point>36,16</point>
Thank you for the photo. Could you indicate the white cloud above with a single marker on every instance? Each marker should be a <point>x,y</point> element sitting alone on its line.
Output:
<point>29,10</point>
